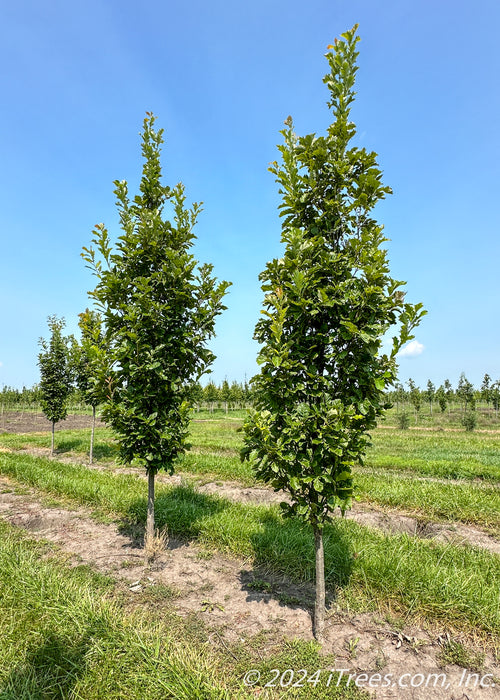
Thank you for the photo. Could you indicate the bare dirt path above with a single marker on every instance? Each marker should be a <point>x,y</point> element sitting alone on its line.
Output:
<point>32,422</point>
<point>388,520</point>
<point>219,592</point>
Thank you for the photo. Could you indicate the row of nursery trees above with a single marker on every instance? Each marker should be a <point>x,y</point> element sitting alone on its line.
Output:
<point>443,398</point>
<point>226,396</point>
<point>236,395</point>
<point>328,303</point>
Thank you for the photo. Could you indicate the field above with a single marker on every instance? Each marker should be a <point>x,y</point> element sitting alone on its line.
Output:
<point>413,572</point>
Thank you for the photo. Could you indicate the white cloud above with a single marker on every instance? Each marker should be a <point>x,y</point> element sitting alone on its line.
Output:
<point>413,349</point>
<point>1,364</point>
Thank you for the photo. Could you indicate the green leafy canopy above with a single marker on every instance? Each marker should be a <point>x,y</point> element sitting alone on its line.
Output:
<point>329,302</point>
<point>158,307</point>
<point>55,373</point>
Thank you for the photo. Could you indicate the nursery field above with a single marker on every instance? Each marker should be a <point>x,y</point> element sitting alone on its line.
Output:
<point>413,572</point>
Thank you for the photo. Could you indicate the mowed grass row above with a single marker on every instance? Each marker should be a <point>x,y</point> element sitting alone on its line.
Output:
<point>475,503</point>
<point>67,634</point>
<point>367,569</point>
<point>441,454</point>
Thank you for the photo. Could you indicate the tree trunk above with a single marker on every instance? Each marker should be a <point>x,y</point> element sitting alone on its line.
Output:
<point>52,445</point>
<point>91,453</point>
<point>150,522</point>
<point>319,606</point>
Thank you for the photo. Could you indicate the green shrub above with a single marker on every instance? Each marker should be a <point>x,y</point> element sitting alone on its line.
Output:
<point>469,420</point>
<point>403,420</point>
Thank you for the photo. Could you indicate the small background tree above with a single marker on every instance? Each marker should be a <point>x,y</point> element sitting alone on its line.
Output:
<point>159,308</point>
<point>55,374</point>
<point>225,394</point>
<point>486,389</point>
<point>441,398</point>
<point>90,365</point>
<point>415,398</point>
<point>210,395</point>
<point>430,394</point>
<point>329,301</point>
<point>465,392</point>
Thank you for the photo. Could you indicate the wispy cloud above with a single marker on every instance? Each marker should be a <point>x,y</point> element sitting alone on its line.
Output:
<point>413,349</point>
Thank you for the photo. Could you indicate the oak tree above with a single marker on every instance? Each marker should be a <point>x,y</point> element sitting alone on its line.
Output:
<point>90,365</point>
<point>329,302</point>
<point>159,307</point>
<point>55,374</point>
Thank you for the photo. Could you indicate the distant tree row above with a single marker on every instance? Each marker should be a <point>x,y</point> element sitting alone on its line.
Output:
<point>27,397</point>
<point>445,397</point>
<point>237,395</point>
<point>212,396</point>
<point>225,395</point>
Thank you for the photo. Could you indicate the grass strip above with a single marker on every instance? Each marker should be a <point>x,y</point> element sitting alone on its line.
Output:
<point>436,454</point>
<point>471,503</point>
<point>63,637</point>
<point>367,569</point>
<point>449,455</point>
<point>467,503</point>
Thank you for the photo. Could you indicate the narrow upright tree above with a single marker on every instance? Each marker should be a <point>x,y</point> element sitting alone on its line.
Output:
<point>415,398</point>
<point>441,398</point>
<point>55,375</point>
<point>430,393</point>
<point>495,395</point>
<point>210,395</point>
<point>486,388</point>
<point>159,308</point>
<point>329,301</point>
<point>90,365</point>
<point>465,392</point>
<point>225,394</point>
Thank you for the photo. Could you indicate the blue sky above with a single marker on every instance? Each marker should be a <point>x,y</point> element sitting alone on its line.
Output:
<point>77,79</point>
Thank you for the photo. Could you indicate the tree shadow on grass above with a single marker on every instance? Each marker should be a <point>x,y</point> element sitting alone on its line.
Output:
<point>105,451</point>
<point>67,445</point>
<point>49,671</point>
<point>101,450</point>
<point>284,567</point>
<point>180,510</point>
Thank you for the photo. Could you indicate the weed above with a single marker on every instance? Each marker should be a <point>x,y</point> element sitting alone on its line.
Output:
<point>287,599</point>
<point>456,653</point>
<point>403,421</point>
<point>209,606</point>
<point>351,646</point>
<point>155,546</point>
<point>260,586</point>
<point>469,421</point>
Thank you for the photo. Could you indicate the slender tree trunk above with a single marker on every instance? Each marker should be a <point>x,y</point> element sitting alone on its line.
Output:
<point>91,454</point>
<point>319,606</point>
<point>52,445</point>
<point>150,522</point>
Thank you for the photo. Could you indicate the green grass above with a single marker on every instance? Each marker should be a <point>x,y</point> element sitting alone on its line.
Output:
<point>463,502</point>
<point>367,569</point>
<point>448,455</point>
<point>67,634</point>
<point>64,637</point>
<point>70,442</point>
<point>437,455</point>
